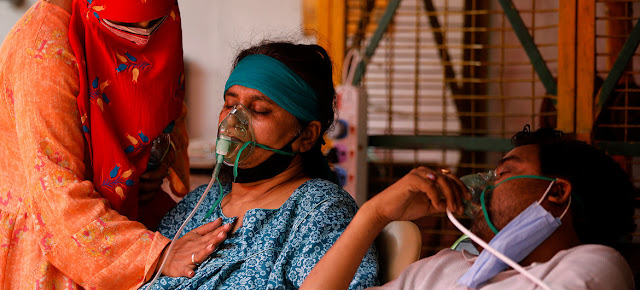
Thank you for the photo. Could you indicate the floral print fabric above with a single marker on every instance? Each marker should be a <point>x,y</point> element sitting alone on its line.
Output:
<point>129,93</point>
<point>274,248</point>
<point>56,231</point>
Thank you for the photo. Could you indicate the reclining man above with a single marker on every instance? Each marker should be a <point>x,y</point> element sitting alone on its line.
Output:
<point>559,206</point>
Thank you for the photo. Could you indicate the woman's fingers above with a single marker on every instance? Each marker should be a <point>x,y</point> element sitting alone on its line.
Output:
<point>208,227</point>
<point>210,236</point>
<point>194,247</point>
<point>212,241</point>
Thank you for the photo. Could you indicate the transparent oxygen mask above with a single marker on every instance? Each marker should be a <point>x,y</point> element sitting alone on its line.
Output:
<point>236,129</point>
<point>159,149</point>
<point>476,183</point>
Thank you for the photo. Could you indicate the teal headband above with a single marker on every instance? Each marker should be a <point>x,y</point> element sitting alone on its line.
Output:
<point>278,82</point>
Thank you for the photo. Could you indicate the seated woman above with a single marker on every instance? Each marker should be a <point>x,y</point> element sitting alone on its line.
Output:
<point>284,210</point>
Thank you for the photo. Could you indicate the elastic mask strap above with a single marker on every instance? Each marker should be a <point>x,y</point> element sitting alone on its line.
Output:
<point>525,176</point>
<point>246,144</point>
<point>276,150</point>
<point>235,164</point>
<point>546,191</point>
<point>486,214</point>
<point>491,187</point>
<point>566,209</point>
<point>545,194</point>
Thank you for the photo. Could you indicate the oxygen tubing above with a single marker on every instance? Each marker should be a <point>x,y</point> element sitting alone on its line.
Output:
<point>495,252</point>
<point>222,148</point>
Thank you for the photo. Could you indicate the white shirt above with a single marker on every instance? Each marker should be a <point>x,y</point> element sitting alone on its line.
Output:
<point>581,267</point>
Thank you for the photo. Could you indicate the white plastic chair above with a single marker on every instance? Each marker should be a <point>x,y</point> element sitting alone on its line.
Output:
<point>399,245</point>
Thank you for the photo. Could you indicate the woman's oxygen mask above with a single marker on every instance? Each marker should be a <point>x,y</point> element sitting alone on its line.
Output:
<point>236,130</point>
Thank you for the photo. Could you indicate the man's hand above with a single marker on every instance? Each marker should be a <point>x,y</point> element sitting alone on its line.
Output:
<point>420,193</point>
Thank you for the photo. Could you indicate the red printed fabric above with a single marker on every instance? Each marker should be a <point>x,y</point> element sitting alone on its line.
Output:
<point>130,91</point>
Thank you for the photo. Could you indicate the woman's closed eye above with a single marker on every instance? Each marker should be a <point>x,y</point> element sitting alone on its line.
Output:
<point>260,112</point>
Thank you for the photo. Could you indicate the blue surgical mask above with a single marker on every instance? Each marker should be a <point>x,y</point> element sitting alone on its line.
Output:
<point>516,240</point>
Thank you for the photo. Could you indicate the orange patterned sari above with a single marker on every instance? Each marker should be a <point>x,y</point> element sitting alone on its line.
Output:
<point>56,230</point>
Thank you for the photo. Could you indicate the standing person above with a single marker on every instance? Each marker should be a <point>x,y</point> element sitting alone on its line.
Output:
<point>557,207</point>
<point>276,183</point>
<point>86,87</point>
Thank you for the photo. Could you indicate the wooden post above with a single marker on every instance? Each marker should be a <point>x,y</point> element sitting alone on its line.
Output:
<point>567,66</point>
<point>325,20</point>
<point>586,69</point>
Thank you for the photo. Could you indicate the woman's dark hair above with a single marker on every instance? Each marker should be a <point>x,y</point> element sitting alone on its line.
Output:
<point>602,206</point>
<point>313,65</point>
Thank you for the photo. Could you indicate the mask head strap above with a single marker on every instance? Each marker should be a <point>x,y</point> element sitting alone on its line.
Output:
<point>545,194</point>
<point>246,144</point>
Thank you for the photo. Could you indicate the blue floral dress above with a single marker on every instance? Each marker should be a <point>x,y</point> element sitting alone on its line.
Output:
<point>274,248</point>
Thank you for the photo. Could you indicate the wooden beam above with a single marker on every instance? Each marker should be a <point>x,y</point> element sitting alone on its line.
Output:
<point>586,69</point>
<point>337,37</point>
<point>325,20</point>
<point>567,66</point>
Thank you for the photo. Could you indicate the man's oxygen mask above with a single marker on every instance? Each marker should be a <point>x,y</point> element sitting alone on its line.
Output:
<point>477,183</point>
<point>237,131</point>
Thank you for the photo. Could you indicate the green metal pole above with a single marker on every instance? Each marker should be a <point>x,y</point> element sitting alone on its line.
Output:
<point>529,47</point>
<point>383,24</point>
<point>618,67</point>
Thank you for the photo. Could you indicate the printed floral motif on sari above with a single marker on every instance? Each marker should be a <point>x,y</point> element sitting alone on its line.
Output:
<point>173,14</point>
<point>94,9</point>
<point>118,178</point>
<point>5,201</point>
<point>7,222</point>
<point>46,243</point>
<point>18,233</point>
<point>8,93</point>
<point>180,89</point>
<point>38,53</point>
<point>39,221</point>
<point>45,152</point>
<point>130,63</point>
<point>147,236</point>
<point>53,46</point>
<point>97,95</point>
<point>47,282</point>
<point>137,143</point>
<point>97,238</point>
<point>60,174</point>
<point>85,127</point>
<point>60,49</point>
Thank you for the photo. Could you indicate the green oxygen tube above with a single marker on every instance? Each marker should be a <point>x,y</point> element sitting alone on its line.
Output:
<point>222,148</point>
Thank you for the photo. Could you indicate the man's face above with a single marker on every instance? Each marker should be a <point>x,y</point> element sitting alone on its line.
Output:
<point>512,197</point>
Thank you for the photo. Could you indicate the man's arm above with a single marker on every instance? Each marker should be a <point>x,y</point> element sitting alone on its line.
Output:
<point>417,194</point>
